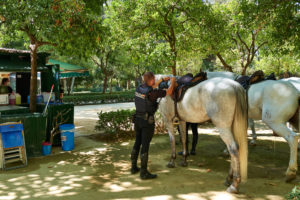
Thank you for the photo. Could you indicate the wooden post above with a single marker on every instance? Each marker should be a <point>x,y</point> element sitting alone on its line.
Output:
<point>33,80</point>
<point>72,84</point>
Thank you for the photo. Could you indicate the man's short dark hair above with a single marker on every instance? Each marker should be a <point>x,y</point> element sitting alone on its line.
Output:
<point>148,76</point>
<point>4,80</point>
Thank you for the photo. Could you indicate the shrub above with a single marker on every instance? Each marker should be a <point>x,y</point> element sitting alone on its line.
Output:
<point>120,122</point>
<point>99,98</point>
<point>115,121</point>
<point>294,194</point>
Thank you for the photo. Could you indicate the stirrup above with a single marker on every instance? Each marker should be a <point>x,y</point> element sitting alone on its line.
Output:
<point>175,121</point>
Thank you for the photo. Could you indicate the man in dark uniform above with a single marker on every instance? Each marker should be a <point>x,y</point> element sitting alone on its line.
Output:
<point>146,105</point>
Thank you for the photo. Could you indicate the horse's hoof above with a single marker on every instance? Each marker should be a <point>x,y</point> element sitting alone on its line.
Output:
<point>183,164</point>
<point>227,182</point>
<point>170,165</point>
<point>290,177</point>
<point>225,153</point>
<point>252,143</point>
<point>232,189</point>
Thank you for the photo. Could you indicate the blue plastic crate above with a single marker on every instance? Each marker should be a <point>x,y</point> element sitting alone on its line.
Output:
<point>11,127</point>
<point>12,135</point>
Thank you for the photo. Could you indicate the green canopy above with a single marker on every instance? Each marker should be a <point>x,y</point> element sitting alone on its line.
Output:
<point>68,70</point>
<point>14,60</point>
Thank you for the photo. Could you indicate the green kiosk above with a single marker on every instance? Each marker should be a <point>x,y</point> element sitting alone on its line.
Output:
<point>15,65</point>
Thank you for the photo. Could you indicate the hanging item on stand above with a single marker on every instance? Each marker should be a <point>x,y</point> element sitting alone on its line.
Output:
<point>45,110</point>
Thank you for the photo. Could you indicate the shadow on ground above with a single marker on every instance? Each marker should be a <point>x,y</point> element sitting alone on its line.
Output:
<point>97,170</point>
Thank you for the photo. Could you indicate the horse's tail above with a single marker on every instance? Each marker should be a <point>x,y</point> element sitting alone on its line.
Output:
<point>239,128</point>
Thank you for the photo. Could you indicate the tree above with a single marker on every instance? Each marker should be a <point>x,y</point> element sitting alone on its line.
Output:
<point>158,18</point>
<point>235,31</point>
<point>68,25</point>
<point>139,51</point>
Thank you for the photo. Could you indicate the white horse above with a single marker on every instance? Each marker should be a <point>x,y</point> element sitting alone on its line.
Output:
<point>276,103</point>
<point>222,101</point>
<point>296,83</point>
<point>229,75</point>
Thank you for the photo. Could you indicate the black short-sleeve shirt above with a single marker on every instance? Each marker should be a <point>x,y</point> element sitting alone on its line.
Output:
<point>156,93</point>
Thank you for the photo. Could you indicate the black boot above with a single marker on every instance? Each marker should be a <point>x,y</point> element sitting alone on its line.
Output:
<point>193,152</point>
<point>134,156</point>
<point>144,172</point>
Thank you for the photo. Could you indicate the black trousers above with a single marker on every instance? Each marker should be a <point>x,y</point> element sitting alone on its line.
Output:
<point>194,127</point>
<point>144,133</point>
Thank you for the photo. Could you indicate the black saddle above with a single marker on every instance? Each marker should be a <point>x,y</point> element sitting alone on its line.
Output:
<point>256,77</point>
<point>187,81</point>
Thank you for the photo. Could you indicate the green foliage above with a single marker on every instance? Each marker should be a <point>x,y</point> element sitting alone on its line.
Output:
<point>294,194</point>
<point>278,64</point>
<point>66,24</point>
<point>91,98</point>
<point>115,121</point>
<point>120,121</point>
<point>128,38</point>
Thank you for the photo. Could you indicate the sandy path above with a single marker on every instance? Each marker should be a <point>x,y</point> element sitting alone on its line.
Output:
<point>98,170</point>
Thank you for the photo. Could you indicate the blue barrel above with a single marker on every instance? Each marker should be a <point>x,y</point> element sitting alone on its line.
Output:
<point>67,136</point>
<point>46,148</point>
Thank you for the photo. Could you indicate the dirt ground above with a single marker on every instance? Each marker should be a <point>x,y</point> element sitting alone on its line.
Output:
<point>99,170</point>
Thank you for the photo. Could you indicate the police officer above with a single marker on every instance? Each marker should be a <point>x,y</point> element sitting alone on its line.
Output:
<point>146,105</point>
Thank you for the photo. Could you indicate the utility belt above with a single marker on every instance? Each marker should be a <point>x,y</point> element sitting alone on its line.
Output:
<point>145,116</point>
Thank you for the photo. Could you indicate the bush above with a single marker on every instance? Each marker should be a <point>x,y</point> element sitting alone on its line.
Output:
<point>99,98</point>
<point>115,121</point>
<point>120,122</point>
<point>294,194</point>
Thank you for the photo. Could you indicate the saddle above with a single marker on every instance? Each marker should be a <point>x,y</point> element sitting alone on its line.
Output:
<point>256,77</point>
<point>185,82</point>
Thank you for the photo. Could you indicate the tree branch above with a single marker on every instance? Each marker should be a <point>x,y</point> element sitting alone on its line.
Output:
<point>226,66</point>
<point>242,41</point>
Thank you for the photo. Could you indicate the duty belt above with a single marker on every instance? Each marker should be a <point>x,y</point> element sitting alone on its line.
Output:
<point>144,116</point>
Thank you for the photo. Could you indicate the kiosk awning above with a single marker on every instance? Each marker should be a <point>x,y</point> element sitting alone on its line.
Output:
<point>68,70</point>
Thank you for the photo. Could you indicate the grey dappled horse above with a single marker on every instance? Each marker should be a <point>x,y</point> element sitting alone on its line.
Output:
<point>223,101</point>
<point>295,81</point>
<point>275,103</point>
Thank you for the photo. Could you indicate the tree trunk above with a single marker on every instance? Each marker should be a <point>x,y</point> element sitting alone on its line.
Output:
<point>244,70</point>
<point>33,78</point>
<point>69,83</point>
<point>110,89</point>
<point>173,48</point>
<point>174,70</point>
<point>128,85</point>
<point>226,66</point>
<point>105,83</point>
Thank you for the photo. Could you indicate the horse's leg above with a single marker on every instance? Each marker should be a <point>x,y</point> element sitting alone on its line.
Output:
<point>182,126</point>
<point>234,177</point>
<point>292,139</point>
<point>195,138</point>
<point>171,132</point>
<point>254,136</point>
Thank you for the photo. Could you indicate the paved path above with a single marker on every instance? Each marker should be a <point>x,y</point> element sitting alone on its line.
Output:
<point>90,111</point>
<point>86,116</point>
